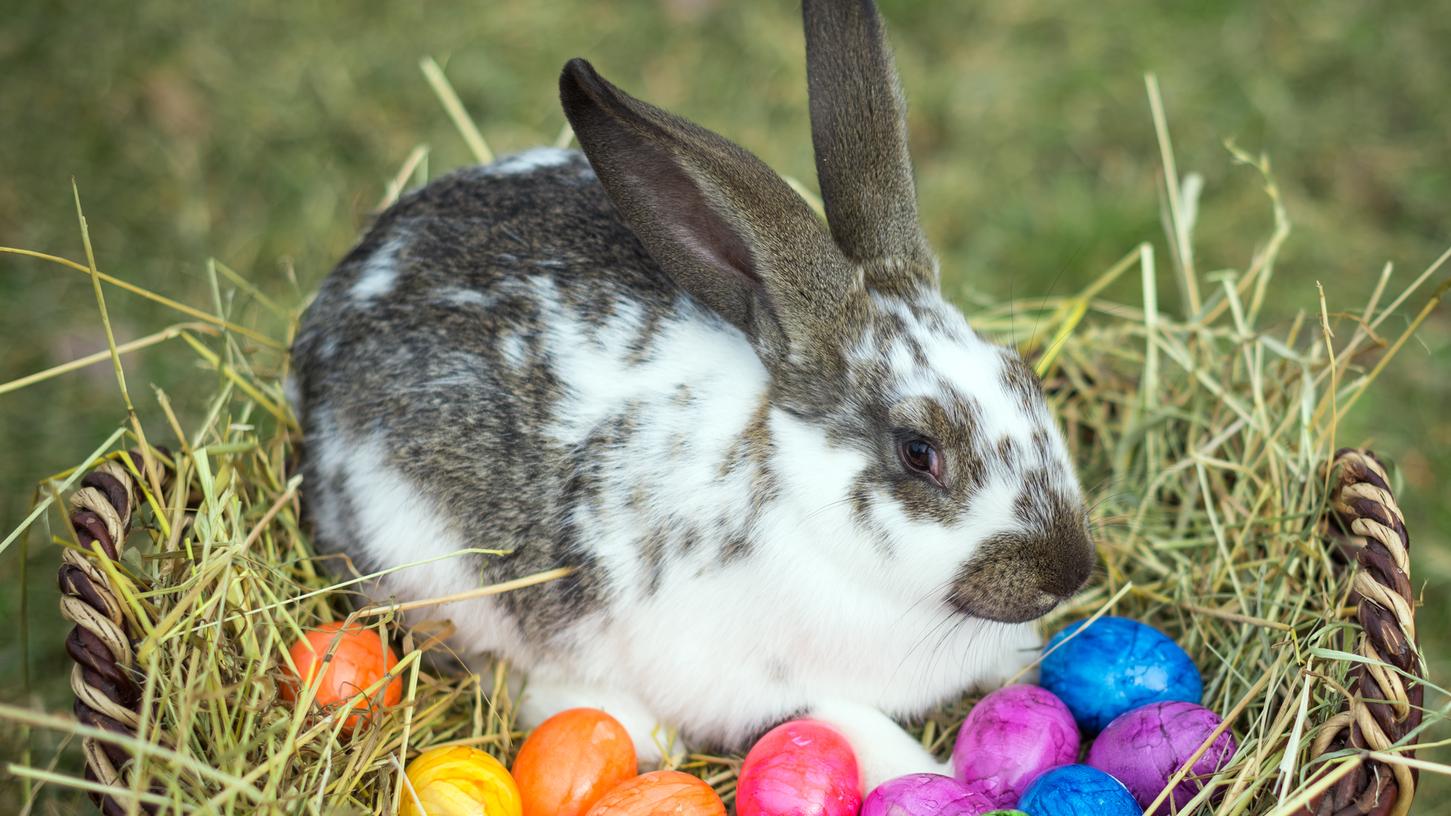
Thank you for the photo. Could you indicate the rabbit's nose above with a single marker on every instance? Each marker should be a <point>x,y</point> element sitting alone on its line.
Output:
<point>1056,546</point>
<point>1066,560</point>
<point>1016,577</point>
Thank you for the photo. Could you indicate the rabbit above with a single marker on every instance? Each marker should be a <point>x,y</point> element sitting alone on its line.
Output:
<point>787,477</point>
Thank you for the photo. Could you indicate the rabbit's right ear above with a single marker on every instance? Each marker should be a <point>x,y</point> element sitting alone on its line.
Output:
<point>721,224</point>
<point>859,129</point>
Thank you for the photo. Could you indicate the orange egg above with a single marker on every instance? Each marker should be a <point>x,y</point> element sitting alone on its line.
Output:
<point>359,660</point>
<point>660,793</point>
<point>571,760</point>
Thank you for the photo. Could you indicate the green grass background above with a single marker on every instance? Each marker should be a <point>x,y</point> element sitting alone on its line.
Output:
<point>261,133</point>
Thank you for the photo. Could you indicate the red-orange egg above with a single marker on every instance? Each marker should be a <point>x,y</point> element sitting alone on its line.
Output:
<point>660,793</point>
<point>359,660</point>
<point>571,760</point>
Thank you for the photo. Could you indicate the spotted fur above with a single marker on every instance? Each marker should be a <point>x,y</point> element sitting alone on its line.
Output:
<point>651,363</point>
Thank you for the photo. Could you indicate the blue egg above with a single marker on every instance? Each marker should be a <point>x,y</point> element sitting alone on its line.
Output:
<point>1078,790</point>
<point>1114,666</point>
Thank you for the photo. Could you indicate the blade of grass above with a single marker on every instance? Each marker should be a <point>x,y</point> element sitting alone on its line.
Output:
<point>456,112</point>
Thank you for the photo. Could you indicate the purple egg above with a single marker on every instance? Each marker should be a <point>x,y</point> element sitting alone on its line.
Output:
<point>1144,747</point>
<point>925,794</point>
<point>1010,738</point>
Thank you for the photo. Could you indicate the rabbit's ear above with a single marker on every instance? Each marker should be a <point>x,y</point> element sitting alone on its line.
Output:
<point>725,227</point>
<point>859,130</point>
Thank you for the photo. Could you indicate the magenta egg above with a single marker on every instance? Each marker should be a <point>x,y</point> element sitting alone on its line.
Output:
<point>800,768</point>
<point>925,794</point>
<point>1142,748</point>
<point>1010,738</point>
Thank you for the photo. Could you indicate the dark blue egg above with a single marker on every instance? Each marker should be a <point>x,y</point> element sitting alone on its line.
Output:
<point>1114,666</point>
<point>1078,790</point>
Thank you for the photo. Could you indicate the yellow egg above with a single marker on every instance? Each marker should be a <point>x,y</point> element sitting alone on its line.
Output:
<point>459,781</point>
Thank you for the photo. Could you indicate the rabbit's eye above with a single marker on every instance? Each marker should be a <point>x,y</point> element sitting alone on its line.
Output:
<point>921,455</point>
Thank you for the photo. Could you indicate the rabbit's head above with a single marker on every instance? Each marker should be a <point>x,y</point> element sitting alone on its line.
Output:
<point>926,448</point>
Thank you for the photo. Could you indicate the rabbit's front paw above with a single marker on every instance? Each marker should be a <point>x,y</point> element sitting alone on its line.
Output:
<point>883,749</point>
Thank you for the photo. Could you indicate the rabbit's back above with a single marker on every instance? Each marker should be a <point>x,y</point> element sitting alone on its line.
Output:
<point>490,368</point>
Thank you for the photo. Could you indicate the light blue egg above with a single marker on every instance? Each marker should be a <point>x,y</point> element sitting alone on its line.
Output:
<point>1078,790</point>
<point>1114,666</point>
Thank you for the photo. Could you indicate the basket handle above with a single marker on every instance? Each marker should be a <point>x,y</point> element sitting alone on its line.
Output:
<point>1384,705</point>
<point>103,676</point>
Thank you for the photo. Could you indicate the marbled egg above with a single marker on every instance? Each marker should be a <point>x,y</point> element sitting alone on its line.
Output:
<point>571,760</point>
<point>1010,737</point>
<point>1078,790</point>
<point>659,793</point>
<point>925,794</point>
<point>1144,747</point>
<point>459,781</point>
<point>341,660</point>
<point>800,768</point>
<point>1114,666</point>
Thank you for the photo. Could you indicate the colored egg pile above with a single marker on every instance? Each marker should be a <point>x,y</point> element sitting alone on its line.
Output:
<point>1018,753</point>
<point>579,762</point>
<point>1121,680</point>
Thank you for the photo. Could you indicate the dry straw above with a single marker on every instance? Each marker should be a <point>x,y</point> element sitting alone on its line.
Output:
<point>1203,429</point>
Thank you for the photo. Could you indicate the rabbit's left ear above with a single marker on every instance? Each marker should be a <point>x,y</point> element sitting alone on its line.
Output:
<point>859,130</point>
<point>719,222</point>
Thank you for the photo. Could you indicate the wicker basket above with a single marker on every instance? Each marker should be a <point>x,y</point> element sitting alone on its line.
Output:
<point>1382,708</point>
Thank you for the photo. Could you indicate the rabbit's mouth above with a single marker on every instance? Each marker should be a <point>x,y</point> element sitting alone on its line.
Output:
<point>1000,606</point>
<point>1016,578</point>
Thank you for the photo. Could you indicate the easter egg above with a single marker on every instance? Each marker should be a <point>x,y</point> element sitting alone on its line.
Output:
<point>1113,666</point>
<point>660,793</point>
<point>1011,737</point>
<point>1078,790</point>
<point>571,760</point>
<point>458,781</point>
<point>924,794</point>
<point>358,659</point>
<point>800,768</point>
<point>1144,747</point>
<point>1005,813</point>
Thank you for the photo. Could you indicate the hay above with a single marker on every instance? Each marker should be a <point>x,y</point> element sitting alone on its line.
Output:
<point>1201,429</point>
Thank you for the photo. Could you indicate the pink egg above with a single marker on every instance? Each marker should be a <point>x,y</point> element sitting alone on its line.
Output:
<point>1010,738</point>
<point>800,768</point>
<point>1145,747</point>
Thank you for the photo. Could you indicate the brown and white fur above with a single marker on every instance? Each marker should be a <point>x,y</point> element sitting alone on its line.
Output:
<point>789,477</point>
